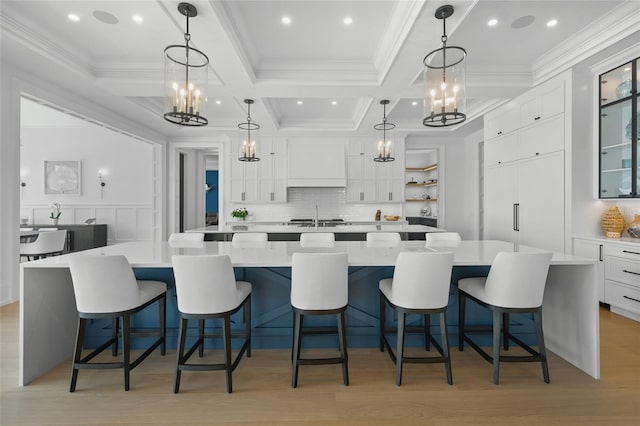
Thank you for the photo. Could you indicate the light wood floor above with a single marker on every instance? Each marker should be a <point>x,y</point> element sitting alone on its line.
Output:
<point>263,396</point>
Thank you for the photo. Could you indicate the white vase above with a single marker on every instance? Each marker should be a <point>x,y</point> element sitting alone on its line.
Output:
<point>55,222</point>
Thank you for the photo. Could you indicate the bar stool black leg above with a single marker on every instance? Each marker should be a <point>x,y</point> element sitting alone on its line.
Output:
<point>115,325</point>
<point>126,349</point>
<point>77,356</point>
<point>163,324</point>
<point>427,332</point>
<point>227,350</point>
<point>383,320</point>
<point>445,346</point>
<point>247,324</point>
<point>343,348</point>
<point>505,331</point>
<point>400,347</point>
<point>462,301</point>
<point>180,353</point>
<point>201,338</point>
<point>297,324</point>
<point>497,317</point>
<point>537,316</point>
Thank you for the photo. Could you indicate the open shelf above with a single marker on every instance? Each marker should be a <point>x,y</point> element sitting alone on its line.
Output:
<point>422,184</point>
<point>422,169</point>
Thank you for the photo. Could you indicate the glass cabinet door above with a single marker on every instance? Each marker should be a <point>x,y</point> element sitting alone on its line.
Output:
<point>619,160</point>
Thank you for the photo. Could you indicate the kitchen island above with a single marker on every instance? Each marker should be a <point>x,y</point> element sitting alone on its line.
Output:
<point>48,315</point>
<point>290,231</point>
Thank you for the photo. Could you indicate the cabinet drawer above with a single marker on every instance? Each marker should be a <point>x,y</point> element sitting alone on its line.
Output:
<point>625,252</point>
<point>623,296</point>
<point>542,138</point>
<point>623,271</point>
<point>501,150</point>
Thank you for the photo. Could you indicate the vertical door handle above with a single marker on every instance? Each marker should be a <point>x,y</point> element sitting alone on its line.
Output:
<point>514,217</point>
<point>518,217</point>
<point>601,253</point>
<point>361,196</point>
<point>272,196</point>
<point>391,196</point>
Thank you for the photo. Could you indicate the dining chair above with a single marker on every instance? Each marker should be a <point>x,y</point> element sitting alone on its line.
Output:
<point>420,285</point>
<point>46,244</point>
<point>515,284</point>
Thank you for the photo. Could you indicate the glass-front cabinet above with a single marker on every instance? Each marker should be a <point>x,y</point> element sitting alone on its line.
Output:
<point>619,132</point>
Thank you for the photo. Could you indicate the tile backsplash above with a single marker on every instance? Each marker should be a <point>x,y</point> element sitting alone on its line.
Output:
<point>331,202</point>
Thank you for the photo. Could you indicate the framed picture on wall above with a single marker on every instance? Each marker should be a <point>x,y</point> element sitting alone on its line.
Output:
<point>62,177</point>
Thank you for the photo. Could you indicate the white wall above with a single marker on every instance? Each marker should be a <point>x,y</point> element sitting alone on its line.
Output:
<point>127,166</point>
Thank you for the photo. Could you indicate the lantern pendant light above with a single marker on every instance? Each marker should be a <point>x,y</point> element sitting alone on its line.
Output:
<point>185,79</point>
<point>385,135</point>
<point>445,80</point>
<point>248,136</point>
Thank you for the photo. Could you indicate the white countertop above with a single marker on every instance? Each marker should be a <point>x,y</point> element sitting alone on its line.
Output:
<point>278,253</point>
<point>352,227</point>
<point>602,238</point>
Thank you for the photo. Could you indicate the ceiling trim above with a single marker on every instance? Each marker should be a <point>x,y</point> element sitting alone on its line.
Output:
<point>610,28</point>
<point>245,55</point>
<point>319,72</point>
<point>45,46</point>
<point>396,33</point>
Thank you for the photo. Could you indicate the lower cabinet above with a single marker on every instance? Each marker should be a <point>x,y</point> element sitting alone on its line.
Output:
<point>617,272</point>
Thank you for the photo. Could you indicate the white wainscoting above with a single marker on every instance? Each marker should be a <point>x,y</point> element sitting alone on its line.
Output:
<point>125,222</point>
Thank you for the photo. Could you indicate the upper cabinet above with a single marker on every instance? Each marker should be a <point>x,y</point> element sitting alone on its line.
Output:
<point>261,181</point>
<point>618,148</point>
<point>370,181</point>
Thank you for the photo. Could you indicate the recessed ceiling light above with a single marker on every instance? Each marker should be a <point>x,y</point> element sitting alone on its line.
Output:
<point>552,23</point>
<point>218,102</point>
<point>414,103</point>
<point>334,102</point>
<point>137,19</point>
<point>286,20</point>
<point>73,17</point>
<point>492,22</point>
<point>300,102</point>
<point>347,20</point>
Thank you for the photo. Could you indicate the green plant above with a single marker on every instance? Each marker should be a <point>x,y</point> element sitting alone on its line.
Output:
<point>55,211</point>
<point>241,213</point>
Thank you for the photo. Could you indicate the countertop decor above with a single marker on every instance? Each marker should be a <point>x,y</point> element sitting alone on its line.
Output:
<point>613,221</point>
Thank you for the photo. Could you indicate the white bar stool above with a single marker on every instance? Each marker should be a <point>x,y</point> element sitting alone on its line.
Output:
<point>317,239</point>
<point>515,284</point>
<point>319,286</point>
<point>186,237</point>
<point>207,289</point>
<point>383,239</point>
<point>420,285</point>
<point>442,238</point>
<point>105,287</point>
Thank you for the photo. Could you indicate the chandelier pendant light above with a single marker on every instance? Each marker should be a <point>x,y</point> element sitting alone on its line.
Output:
<point>248,136</point>
<point>444,78</point>
<point>185,79</point>
<point>385,136</point>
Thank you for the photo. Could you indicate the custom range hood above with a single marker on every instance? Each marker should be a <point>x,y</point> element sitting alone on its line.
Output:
<point>317,164</point>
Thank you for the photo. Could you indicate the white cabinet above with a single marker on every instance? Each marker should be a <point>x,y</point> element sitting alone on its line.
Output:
<point>524,203</point>
<point>593,249</point>
<point>525,176</point>
<point>370,181</point>
<point>622,278</point>
<point>544,102</point>
<point>261,181</point>
<point>503,121</point>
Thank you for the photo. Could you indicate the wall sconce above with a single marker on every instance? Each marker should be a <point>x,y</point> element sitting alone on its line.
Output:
<point>101,173</point>
<point>23,184</point>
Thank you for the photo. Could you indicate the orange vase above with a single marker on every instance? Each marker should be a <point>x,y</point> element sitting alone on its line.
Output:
<point>613,221</point>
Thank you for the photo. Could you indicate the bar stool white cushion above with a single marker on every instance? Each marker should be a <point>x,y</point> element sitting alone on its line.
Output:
<point>249,237</point>
<point>515,280</point>
<point>420,280</point>
<point>186,237</point>
<point>442,239</point>
<point>206,284</point>
<point>317,239</point>
<point>383,236</point>
<point>319,281</point>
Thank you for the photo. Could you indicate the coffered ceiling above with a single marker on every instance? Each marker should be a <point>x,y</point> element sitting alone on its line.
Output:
<point>315,73</point>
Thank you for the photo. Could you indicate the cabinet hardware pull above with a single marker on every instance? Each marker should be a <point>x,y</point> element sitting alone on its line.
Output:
<point>518,217</point>
<point>537,118</point>
<point>390,196</point>
<point>499,162</point>
<point>630,252</point>
<point>500,132</point>
<point>604,190</point>
<point>604,99</point>
<point>537,153</point>
<point>272,195</point>
<point>601,246</point>
<point>630,272</point>
<point>604,152</point>
<point>631,298</point>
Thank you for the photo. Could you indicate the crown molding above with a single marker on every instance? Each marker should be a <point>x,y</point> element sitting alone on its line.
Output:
<point>402,21</point>
<point>616,60</point>
<point>45,46</point>
<point>609,29</point>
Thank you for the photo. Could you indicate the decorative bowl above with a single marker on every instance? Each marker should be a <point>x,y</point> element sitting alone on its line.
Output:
<point>391,218</point>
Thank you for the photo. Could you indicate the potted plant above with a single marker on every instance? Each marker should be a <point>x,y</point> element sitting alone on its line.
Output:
<point>55,213</point>
<point>240,214</point>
